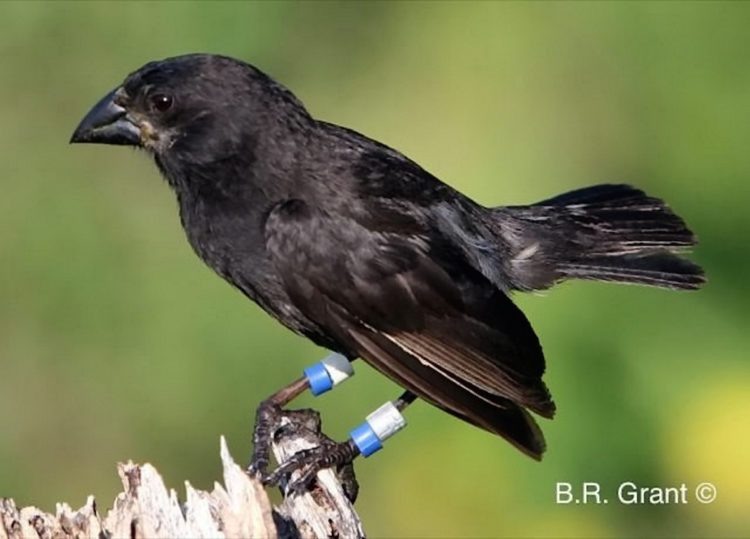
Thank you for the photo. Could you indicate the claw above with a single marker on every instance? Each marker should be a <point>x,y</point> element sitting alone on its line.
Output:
<point>253,471</point>
<point>348,481</point>
<point>309,462</point>
<point>303,461</point>
<point>296,475</point>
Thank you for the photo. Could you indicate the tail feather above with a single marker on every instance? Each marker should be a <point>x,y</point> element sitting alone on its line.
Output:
<point>605,193</point>
<point>604,232</point>
<point>656,269</point>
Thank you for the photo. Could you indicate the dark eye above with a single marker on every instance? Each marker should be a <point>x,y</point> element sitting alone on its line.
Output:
<point>161,102</point>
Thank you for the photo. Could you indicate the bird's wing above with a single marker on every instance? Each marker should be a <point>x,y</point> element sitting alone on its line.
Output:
<point>411,307</point>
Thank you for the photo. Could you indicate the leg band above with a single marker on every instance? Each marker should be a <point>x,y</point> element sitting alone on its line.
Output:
<point>328,373</point>
<point>378,427</point>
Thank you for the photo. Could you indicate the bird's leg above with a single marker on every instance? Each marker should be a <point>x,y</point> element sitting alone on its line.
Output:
<point>321,377</point>
<point>267,420</point>
<point>365,440</point>
<point>406,398</point>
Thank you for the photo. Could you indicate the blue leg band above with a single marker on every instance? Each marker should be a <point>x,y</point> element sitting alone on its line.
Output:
<point>379,426</point>
<point>319,379</point>
<point>366,440</point>
<point>328,373</point>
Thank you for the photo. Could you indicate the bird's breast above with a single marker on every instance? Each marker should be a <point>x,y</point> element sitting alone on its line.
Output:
<point>226,241</point>
<point>233,245</point>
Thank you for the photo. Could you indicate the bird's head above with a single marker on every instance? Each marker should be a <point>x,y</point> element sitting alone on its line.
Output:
<point>199,106</point>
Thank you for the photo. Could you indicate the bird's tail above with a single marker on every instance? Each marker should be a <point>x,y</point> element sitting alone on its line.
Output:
<point>605,233</point>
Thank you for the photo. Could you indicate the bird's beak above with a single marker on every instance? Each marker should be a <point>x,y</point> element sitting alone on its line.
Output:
<point>107,123</point>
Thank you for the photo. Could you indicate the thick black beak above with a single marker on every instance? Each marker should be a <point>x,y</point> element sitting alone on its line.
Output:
<point>107,123</point>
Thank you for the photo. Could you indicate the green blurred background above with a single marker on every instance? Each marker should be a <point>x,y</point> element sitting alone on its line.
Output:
<point>116,342</point>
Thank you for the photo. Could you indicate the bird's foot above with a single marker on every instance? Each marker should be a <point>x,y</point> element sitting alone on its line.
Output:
<point>268,418</point>
<point>297,474</point>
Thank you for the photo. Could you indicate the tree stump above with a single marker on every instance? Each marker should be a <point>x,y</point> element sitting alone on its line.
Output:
<point>238,508</point>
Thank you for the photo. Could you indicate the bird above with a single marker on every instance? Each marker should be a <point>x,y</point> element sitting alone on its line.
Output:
<point>351,244</point>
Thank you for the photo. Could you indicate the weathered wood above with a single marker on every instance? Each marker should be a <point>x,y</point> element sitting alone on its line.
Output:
<point>240,508</point>
<point>324,511</point>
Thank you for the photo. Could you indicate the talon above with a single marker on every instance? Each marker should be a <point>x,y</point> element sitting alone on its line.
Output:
<point>302,484</point>
<point>253,471</point>
<point>348,481</point>
<point>309,462</point>
<point>275,477</point>
<point>295,463</point>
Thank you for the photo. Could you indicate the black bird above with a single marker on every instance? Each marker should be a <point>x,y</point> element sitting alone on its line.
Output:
<point>350,243</point>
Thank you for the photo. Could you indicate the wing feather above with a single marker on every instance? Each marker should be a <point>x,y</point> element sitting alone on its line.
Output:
<point>417,311</point>
<point>499,416</point>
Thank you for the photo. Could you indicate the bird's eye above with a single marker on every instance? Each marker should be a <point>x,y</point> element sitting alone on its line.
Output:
<point>161,102</point>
